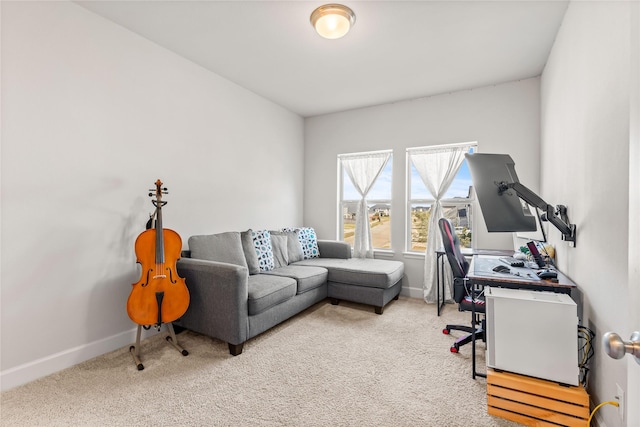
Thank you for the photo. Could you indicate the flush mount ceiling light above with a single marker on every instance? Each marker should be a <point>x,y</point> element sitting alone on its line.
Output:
<point>333,21</point>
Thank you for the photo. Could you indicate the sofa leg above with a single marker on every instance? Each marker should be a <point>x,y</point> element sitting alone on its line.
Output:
<point>235,349</point>
<point>396,297</point>
<point>335,301</point>
<point>379,310</point>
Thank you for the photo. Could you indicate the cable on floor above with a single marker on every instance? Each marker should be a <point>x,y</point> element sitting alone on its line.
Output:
<point>611,402</point>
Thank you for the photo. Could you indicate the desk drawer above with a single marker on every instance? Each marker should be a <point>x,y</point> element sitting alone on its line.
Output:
<point>535,402</point>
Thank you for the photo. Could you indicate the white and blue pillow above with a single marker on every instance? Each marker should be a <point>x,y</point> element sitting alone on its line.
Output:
<point>308,241</point>
<point>264,250</point>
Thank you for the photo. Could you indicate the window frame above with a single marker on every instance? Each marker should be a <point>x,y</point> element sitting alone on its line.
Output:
<point>342,201</point>
<point>468,202</point>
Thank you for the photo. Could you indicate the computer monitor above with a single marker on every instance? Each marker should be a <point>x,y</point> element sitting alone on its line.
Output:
<point>503,211</point>
<point>505,202</point>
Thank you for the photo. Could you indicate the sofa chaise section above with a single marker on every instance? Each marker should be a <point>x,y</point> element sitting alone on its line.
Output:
<point>367,281</point>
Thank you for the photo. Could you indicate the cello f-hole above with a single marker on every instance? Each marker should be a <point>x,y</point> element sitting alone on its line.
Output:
<point>147,282</point>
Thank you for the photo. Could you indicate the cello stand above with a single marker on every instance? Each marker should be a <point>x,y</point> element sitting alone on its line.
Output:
<point>171,339</point>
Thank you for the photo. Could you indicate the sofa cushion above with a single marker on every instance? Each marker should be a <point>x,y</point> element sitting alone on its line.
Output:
<point>222,247</point>
<point>334,249</point>
<point>294,249</point>
<point>250,252</point>
<point>376,273</point>
<point>280,253</point>
<point>308,277</point>
<point>264,251</point>
<point>266,291</point>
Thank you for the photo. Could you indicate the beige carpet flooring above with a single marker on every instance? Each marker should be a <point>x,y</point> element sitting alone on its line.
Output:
<point>328,366</point>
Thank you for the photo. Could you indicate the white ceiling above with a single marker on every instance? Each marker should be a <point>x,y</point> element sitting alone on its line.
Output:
<point>397,50</point>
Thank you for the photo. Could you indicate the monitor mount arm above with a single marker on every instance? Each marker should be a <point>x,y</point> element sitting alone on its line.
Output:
<point>556,216</point>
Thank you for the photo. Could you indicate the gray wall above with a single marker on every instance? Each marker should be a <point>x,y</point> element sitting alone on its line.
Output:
<point>502,119</point>
<point>92,115</point>
<point>587,90</point>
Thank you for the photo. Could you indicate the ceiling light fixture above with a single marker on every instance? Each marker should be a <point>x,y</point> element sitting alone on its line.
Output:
<point>333,21</point>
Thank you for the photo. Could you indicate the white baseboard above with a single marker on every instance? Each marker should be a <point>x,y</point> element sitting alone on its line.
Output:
<point>412,292</point>
<point>48,365</point>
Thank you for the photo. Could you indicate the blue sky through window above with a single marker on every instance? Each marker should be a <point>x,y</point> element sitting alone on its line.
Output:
<point>381,189</point>
<point>459,187</point>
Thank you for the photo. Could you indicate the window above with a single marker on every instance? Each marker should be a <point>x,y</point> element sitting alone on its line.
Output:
<point>456,203</point>
<point>378,203</point>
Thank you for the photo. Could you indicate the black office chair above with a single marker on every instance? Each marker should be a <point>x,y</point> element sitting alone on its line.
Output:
<point>462,295</point>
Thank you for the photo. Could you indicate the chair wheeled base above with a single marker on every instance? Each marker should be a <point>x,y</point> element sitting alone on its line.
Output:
<point>455,347</point>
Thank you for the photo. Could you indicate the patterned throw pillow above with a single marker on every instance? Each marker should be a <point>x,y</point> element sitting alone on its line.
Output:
<point>264,251</point>
<point>309,242</point>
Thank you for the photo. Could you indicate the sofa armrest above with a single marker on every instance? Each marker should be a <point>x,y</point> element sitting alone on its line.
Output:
<point>334,249</point>
<point>219,299</point>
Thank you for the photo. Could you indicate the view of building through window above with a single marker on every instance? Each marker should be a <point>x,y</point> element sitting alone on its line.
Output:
<point>379,208</point>
<point>457,213</point>
<point>456,204</point>
<point>457,207</point>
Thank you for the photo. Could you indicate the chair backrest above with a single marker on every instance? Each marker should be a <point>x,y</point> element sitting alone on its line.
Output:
<point>459,264</point>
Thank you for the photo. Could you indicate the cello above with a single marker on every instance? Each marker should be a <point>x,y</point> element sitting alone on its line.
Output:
<point>160,296</point>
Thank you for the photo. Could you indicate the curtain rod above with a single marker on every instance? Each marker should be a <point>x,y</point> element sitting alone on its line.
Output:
<point>440,146</point>
<point>364,153</point>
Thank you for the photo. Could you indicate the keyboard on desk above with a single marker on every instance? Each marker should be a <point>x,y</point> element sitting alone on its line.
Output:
<point>513,262</point>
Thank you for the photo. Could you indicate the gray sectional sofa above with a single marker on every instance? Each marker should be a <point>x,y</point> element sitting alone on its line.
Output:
<point>244,283</point>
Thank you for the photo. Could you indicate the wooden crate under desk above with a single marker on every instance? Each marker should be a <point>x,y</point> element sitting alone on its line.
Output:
<point>535,402</point>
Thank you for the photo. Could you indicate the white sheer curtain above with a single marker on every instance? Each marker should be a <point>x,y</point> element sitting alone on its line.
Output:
<point>437,168</point>
<point>363,169</point>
